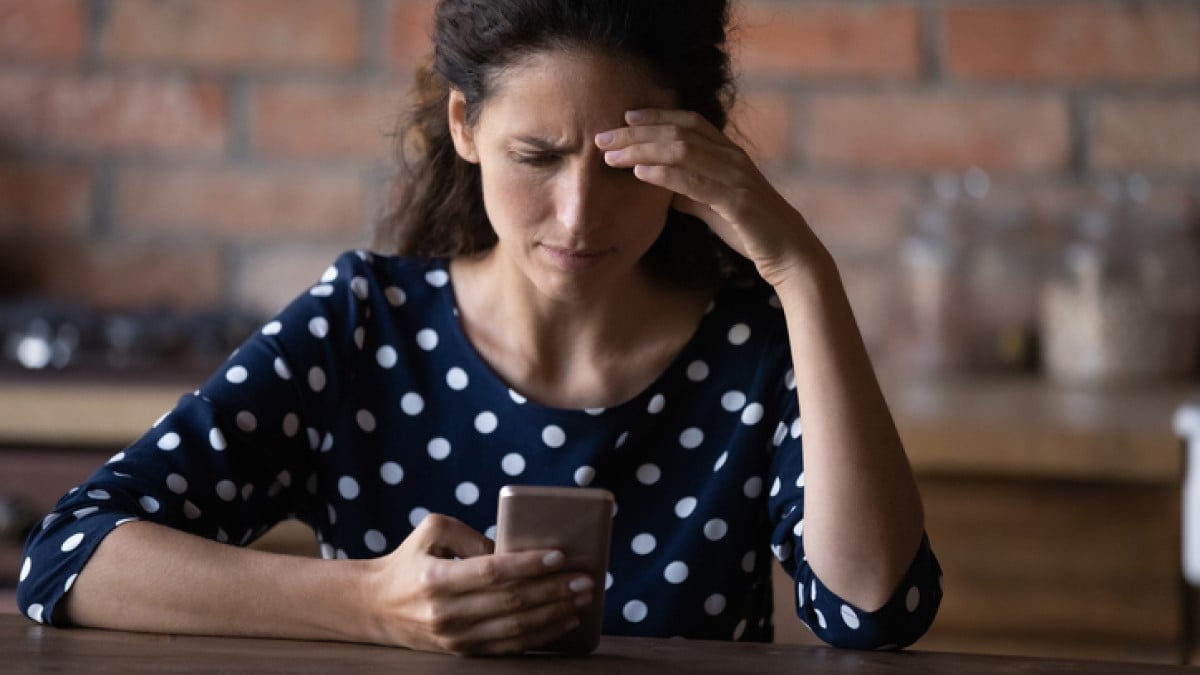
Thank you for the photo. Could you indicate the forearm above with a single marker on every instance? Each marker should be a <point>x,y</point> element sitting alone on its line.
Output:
<point>863,518</point>
<point>148,577</point>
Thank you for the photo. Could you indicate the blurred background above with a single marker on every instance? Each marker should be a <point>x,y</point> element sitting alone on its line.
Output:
<point>1011,189</point>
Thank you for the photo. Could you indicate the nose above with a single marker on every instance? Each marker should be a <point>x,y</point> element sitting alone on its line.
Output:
<point>582,196</point>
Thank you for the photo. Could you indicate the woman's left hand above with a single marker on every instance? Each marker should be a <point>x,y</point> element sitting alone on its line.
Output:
<point>716,181</point>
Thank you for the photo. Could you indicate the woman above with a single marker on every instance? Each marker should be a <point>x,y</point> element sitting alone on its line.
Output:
<point>597,288</point>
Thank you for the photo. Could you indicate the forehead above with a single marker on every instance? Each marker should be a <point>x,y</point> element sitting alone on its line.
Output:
<point>566,92</point>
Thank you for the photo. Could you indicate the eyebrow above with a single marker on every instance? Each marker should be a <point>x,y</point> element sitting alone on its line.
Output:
<point>542,143</point>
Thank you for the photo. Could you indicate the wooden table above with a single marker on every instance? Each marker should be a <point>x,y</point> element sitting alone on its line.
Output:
<point>31,648</point>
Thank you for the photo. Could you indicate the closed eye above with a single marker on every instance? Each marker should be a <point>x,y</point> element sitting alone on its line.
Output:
<point>534,159</point>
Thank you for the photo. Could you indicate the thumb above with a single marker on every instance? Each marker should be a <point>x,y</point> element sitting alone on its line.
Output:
<point>447,537</point>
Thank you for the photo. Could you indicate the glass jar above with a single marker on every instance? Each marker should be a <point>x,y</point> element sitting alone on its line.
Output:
<point>1122,303</point>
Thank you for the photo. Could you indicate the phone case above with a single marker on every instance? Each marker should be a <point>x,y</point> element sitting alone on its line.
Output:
<point>577,521</point>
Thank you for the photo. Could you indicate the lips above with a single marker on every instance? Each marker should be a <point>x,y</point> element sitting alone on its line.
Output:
<point>573,258</point>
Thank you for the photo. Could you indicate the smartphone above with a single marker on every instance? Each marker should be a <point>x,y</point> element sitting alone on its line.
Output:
<point>576,521</point>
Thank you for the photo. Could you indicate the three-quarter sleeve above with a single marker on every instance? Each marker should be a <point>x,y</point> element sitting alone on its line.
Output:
<point>228,462</point>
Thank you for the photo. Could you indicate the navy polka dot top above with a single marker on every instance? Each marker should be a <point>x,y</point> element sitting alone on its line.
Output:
<point>362,408</point>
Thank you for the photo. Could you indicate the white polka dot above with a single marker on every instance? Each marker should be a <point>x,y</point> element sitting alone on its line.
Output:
<point>490,533</point>
<point>375,541</point>
<point>714,604</point>
<point>800,480</point>
<point>622,438</point>
<point>99,494</point>
<point>177,484</point>
<point>236,375</point>
<point>594,412</point>
<point>789,379</point>
<point>513,464</point>
<point>70,582</point>
<point>697,371</point>
<point>648,474</point>
<point>780,435</point>
<point>386,356</point>
<point>272,328</point>
<point>169,441</point>
<point>800,594</point>
<point>327,442</point>
<point>395,296</point>
<point>553,436</point>
<point>782,551</point>
<point>25,568</point>
<point>348,487</point>
<point>190,510</point>
<point>457,378</point>
<point>330,275</point>
<point>321,291</point>
<point>437,278</point>
<point>676,572</point>
<point>721,461</point>
<point>813,595</point>
<point>912,599</point>
<point>684,507</point>
<point>849,617</point>
<point>438,448</point>
<point>797,428</point>
<point>517,398</point>
<point>291,425</point>
<point>775,486</point>
<point>715,529</point>
<point>608,580</point>
<point>748,561</point>
<point>85,512</point>
<point>391,473</point>
<point>820,618</point>
<point>798,530</point>
<point>116,458</point>
<point>427,339</point>
<point>366,421</point>
<point>359,286</point>
<point>417,515</point>
<point>314,438</point>
<point>753,414</point>
<point>635,611</point>
<point>584,476</point>
<point>486,422</point>
<point>72,542</point>
<point>774,301</point>
<point>360,336</point>
<point>691,438</point>
<point>412,403</point>
<point>753,487</point>
<point>733,401</point>
<point>739,629</point>
<point>149,504</point>
<point>316,378</point>
<point>466,493</point>
<point>282,370</point>
<point>35,612</point>
<point>50,518</point>
<point>656,404</point>
<point>247,490</point>
<point>226,490</point>
<point>318,326</point>
<point>246,421</point>
<point>739,334</point>
<point>643,544</point>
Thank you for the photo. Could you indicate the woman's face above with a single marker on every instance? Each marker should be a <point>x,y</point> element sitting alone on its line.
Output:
<point>568,222</point>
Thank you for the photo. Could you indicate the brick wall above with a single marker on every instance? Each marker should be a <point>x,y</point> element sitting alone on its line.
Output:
<point>200,152</point>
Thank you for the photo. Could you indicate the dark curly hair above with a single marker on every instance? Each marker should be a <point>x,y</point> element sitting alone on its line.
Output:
<point>439,210</point>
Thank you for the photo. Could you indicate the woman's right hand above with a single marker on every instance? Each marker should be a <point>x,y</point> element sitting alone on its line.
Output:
<point>443,589</point>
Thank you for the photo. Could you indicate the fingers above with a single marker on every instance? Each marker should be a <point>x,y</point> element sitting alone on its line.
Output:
<point>446,537</point>
<point>516,632</point>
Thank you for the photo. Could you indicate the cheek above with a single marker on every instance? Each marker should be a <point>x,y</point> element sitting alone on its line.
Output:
<point>510,197</point>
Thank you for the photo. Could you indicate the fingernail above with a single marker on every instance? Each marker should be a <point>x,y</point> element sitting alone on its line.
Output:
<point>583,600</point>
<point>612,156</point>
<point>635,116</point>
<point>580,584</point>
<point>604,138</point>
<point>553,559</point>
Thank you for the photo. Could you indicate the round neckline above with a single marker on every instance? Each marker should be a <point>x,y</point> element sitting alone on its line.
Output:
<point>448,302</point>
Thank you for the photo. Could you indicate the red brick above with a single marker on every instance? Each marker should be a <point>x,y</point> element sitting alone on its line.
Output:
<point>41,30</point>
<point>932,131</point>
<point>320,34</point>
<point>108,113</point>
<point>1146,133</point>
<point>828,39</point>
<point>762,124</point>
<point>47,199</point>
<point>266,279</point>
<point>410,24</point>
<point>1076,41</point>
<point>241,204</point>
<point>853,219</point>
<point>334,121</point>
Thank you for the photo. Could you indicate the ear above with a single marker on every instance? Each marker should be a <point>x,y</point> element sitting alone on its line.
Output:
<point>460,130</point>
